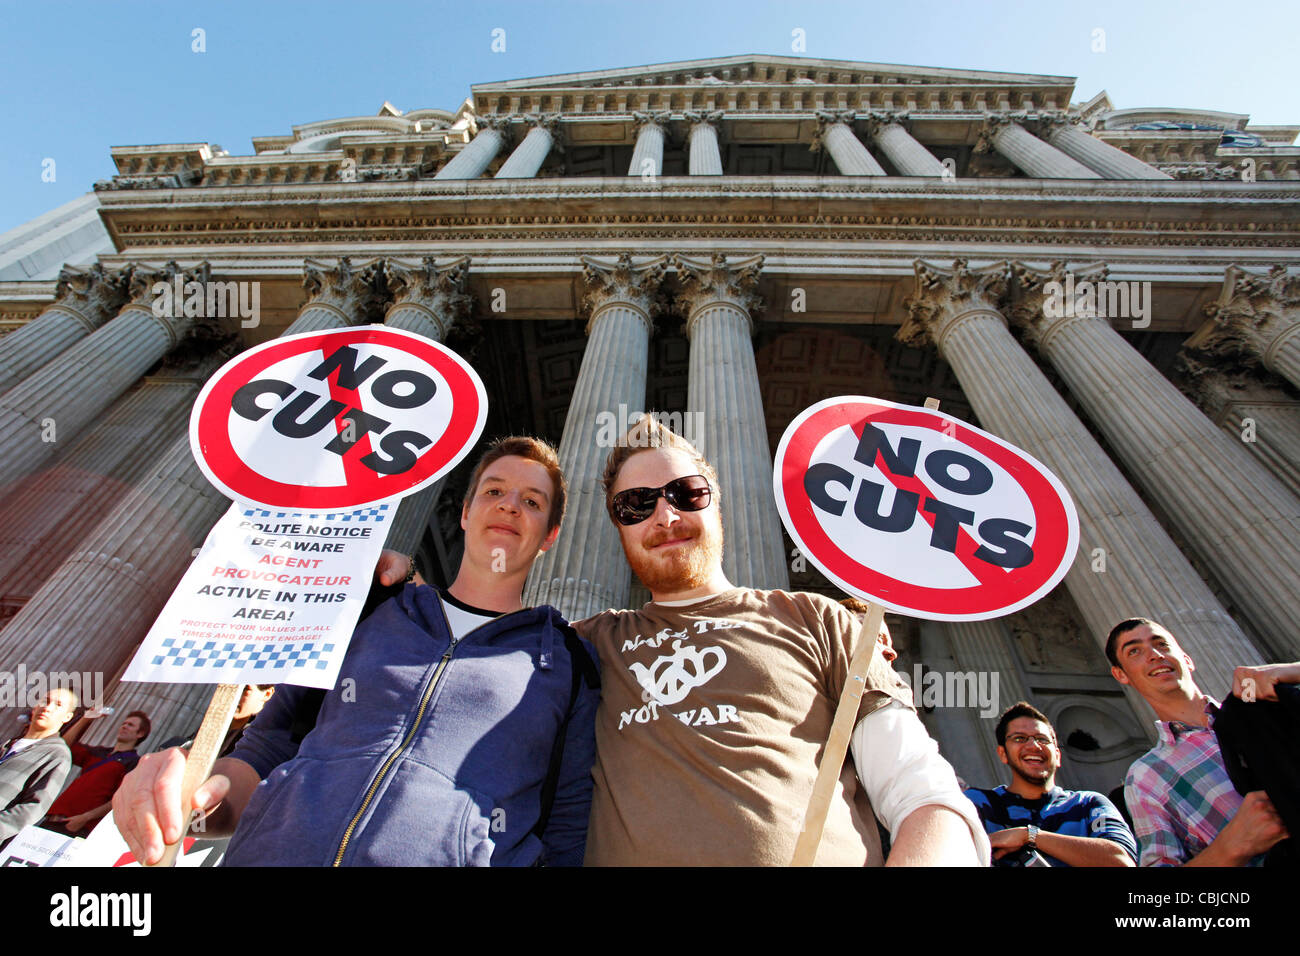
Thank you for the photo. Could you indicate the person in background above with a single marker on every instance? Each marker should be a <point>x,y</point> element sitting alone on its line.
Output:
<point>1067,827</point>
<point>89,798</point>
<point>34,765</point>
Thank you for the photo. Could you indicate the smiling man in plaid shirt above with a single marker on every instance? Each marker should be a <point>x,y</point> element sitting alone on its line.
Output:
<point>1185,809</point>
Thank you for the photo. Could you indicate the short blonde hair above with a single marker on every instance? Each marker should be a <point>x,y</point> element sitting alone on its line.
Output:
<point>646,434</point>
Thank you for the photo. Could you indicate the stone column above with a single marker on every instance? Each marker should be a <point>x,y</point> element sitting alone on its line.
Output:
<point>428,301</point>
<point>1110,161</point>
<point>985,648</point>
<point>1264,419</point>
<point>586,572</point>
<point>53,405</point>
<point>478,154</point>
<point>1126,566</point>
<point>1029,153</point>
<point>835,134</point>
<point>99,604</point>
<point>48,513</point>
<point>705,157</point>
<point>529,155</point>
<point>648,156</point>
<point>1258,315</point>
<point>174,710</point>
<point>85,300</point>
<point>1241,521</point>
<point>724,398</point>
<point>910,158</point>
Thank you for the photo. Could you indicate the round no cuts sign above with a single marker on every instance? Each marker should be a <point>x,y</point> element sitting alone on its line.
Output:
<point>337,419</point>
<point>921,512</point>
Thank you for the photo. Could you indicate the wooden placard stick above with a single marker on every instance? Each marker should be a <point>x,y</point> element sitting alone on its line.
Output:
<point>837,744</point>
<point>203,754</point>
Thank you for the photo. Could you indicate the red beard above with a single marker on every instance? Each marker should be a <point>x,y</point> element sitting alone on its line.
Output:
<point>684,567</point>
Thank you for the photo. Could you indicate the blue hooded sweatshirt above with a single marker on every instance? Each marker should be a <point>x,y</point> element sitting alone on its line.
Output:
<point>428,751</point>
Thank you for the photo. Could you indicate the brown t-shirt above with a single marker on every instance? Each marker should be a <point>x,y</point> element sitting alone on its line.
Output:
<point>712,719</point>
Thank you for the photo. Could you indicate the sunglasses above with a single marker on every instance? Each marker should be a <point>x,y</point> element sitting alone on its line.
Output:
<point>633,506</point>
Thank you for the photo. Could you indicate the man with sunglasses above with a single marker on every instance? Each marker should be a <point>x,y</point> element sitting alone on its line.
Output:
<point>717,701</point>
<point>1034,816</point>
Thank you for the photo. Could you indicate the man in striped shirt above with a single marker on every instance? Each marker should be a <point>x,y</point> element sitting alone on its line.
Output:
<point>1185,810</point>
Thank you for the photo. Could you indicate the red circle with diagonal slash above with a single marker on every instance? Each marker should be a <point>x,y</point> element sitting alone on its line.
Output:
<point>999,591</point>
<point>242,479</point>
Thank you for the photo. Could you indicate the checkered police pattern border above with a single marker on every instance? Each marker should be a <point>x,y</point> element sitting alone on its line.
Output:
<point>237,656</point>
<point>356,514</point>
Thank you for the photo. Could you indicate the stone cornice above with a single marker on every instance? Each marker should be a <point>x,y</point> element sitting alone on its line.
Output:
<point>1114,213</point>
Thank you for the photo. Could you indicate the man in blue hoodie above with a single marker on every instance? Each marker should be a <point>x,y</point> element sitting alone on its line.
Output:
<point>460,731</point>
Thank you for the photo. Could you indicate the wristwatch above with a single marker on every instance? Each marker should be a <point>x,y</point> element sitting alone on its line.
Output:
<point>1032,842</point>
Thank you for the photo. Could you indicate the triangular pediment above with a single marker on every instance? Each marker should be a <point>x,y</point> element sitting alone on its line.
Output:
<point>772,69</point>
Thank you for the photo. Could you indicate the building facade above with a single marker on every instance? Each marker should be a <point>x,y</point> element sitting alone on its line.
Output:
<point>726,241</point>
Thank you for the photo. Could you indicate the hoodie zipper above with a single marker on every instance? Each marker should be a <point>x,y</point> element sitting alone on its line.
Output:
<point>410,736</point>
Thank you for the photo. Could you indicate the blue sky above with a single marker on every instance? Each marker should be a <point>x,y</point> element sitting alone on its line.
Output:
<point>78,78</point>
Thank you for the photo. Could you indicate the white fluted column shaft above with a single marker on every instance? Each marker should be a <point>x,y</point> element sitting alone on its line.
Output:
<point>1273,437</point>
<point>984,647</point>
<point>705,156</point>
<point>852,158</point>
<point>27,349</point>
<point>75,388</point>
<point>477,155</point>
<point>1240,519</point>
<point>48,513</point>
<point>1036,157</point>
<point>648,154</point>
<point>723,392</point>
<point>586,571</point>
<point>908,156</point>
<point>1110,161</point>
<point>528,156</point>
<point>1145,575</point>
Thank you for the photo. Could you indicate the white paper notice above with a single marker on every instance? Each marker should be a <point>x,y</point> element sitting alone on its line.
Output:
<point>272,597</point>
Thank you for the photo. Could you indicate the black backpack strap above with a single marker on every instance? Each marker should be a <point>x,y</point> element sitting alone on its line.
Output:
<point>583,669</point>
<point>304,716</point>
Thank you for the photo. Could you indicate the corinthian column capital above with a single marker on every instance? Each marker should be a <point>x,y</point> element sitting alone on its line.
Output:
<point>352,290</point>
<point>1255,315</point>
<point>944,296</point>
<point>710,117</point>
<point>705,284</point>
<point>994,123</point>
<point>880,118</point>
<point>438,290</point>
<point>657,118</point>
<point>93,294</point>
<point>1046,300</point>
<point>624,283</point>
<point>828,118</point>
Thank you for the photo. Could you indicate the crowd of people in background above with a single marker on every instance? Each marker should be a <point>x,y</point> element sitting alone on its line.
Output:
<point>488,728</point>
